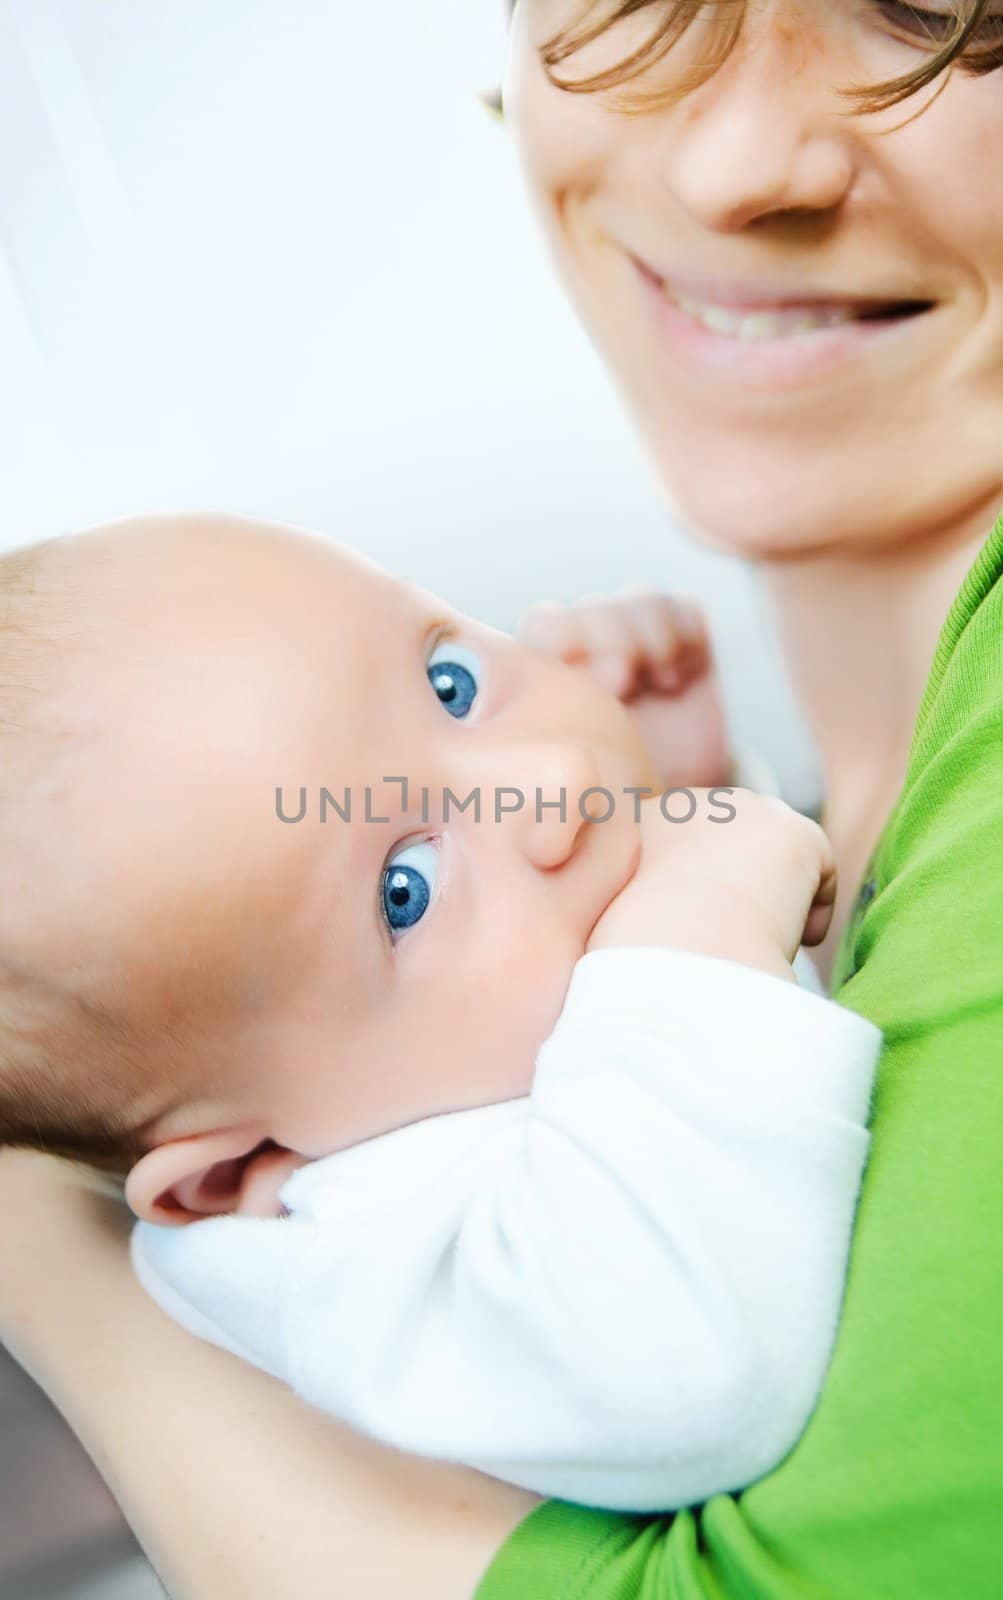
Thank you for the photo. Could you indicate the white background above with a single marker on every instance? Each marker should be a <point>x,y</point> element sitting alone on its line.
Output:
<point>272,256</point>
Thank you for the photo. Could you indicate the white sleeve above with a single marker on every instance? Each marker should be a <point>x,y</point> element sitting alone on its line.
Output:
<point>622,1291</point>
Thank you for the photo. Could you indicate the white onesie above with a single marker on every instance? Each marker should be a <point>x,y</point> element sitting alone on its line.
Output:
<point>622,1289</point>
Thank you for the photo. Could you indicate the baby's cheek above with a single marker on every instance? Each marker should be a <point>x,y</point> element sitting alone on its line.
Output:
<point>524,999</point>
<point>606,724</point>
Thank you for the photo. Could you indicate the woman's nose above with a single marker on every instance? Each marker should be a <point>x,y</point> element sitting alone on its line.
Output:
<point>766,134</point>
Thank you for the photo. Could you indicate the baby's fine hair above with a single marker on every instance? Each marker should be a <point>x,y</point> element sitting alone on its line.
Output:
<point>63,1058</point>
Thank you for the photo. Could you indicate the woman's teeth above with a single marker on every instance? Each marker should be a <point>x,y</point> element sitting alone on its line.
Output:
<point>781,324</point>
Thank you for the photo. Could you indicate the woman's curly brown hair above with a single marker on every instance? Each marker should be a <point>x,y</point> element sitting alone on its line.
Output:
<point>969,34</point>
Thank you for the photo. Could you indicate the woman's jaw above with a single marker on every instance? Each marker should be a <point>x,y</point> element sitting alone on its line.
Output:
<point>803,310</point>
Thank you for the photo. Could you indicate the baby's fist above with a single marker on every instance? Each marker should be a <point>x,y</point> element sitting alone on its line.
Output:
<point>653,651</point>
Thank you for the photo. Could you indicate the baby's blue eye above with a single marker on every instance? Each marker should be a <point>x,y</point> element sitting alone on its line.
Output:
<point>454,674</point>
<point>408,881</point>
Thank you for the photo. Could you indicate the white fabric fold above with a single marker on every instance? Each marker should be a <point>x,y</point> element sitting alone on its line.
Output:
<point>621,1290</point>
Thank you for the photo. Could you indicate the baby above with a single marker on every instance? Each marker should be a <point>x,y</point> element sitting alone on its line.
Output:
<point>331,911</point>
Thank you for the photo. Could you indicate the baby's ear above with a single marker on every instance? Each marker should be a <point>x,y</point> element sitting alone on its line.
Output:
<point>203,1176</point>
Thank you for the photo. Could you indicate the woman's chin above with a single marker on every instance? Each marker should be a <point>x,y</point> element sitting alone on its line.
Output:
<point>794,499</point>
<point>754,518</point>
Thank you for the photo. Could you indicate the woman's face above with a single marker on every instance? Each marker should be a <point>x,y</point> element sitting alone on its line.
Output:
<point>803,308</point>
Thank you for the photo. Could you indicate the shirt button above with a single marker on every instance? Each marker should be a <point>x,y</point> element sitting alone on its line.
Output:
<point>867,894</point>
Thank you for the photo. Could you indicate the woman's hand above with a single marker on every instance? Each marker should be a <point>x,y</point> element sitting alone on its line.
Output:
<point>652,651</point>
<point>232,1485</point>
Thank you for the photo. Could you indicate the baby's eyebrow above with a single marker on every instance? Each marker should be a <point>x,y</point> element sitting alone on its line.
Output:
<point>429,607</point>
<point>410,588</point>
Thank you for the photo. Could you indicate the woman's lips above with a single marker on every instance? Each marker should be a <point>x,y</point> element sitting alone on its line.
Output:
<point>763,337</point>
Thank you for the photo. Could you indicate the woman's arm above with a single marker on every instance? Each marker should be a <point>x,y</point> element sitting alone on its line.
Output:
<point>231,1484</point>
<point>678,1187</point>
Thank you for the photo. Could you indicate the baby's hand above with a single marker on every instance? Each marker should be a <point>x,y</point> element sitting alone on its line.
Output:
<point>751,888</point>
<point>653,651</point>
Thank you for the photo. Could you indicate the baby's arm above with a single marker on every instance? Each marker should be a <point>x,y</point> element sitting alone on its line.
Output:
<point>622,1291</point>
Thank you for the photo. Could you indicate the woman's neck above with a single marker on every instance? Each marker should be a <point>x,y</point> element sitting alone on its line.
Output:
<point>859,633</point>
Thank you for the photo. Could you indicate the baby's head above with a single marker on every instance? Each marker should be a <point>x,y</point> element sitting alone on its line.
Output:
<point>198,990</point>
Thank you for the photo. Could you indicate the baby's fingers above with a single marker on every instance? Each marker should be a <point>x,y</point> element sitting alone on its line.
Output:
<point>591,634</point>
<point>669,633</point>
<point>553,629</point>
<point>820,914</point>
<point>612,651</point>
<point>632,642</point>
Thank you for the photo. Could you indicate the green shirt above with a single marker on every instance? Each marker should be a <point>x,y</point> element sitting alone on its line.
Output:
<point>895,1490</point>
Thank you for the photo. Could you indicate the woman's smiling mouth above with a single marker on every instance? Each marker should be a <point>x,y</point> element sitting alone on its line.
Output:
<point>788,321</point>
<point>763,334</point>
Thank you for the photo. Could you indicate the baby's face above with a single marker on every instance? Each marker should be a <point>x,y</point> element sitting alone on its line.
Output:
<point>332,979</point>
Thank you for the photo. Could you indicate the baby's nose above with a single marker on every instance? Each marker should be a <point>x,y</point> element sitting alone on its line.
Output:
<point>559,795</point>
